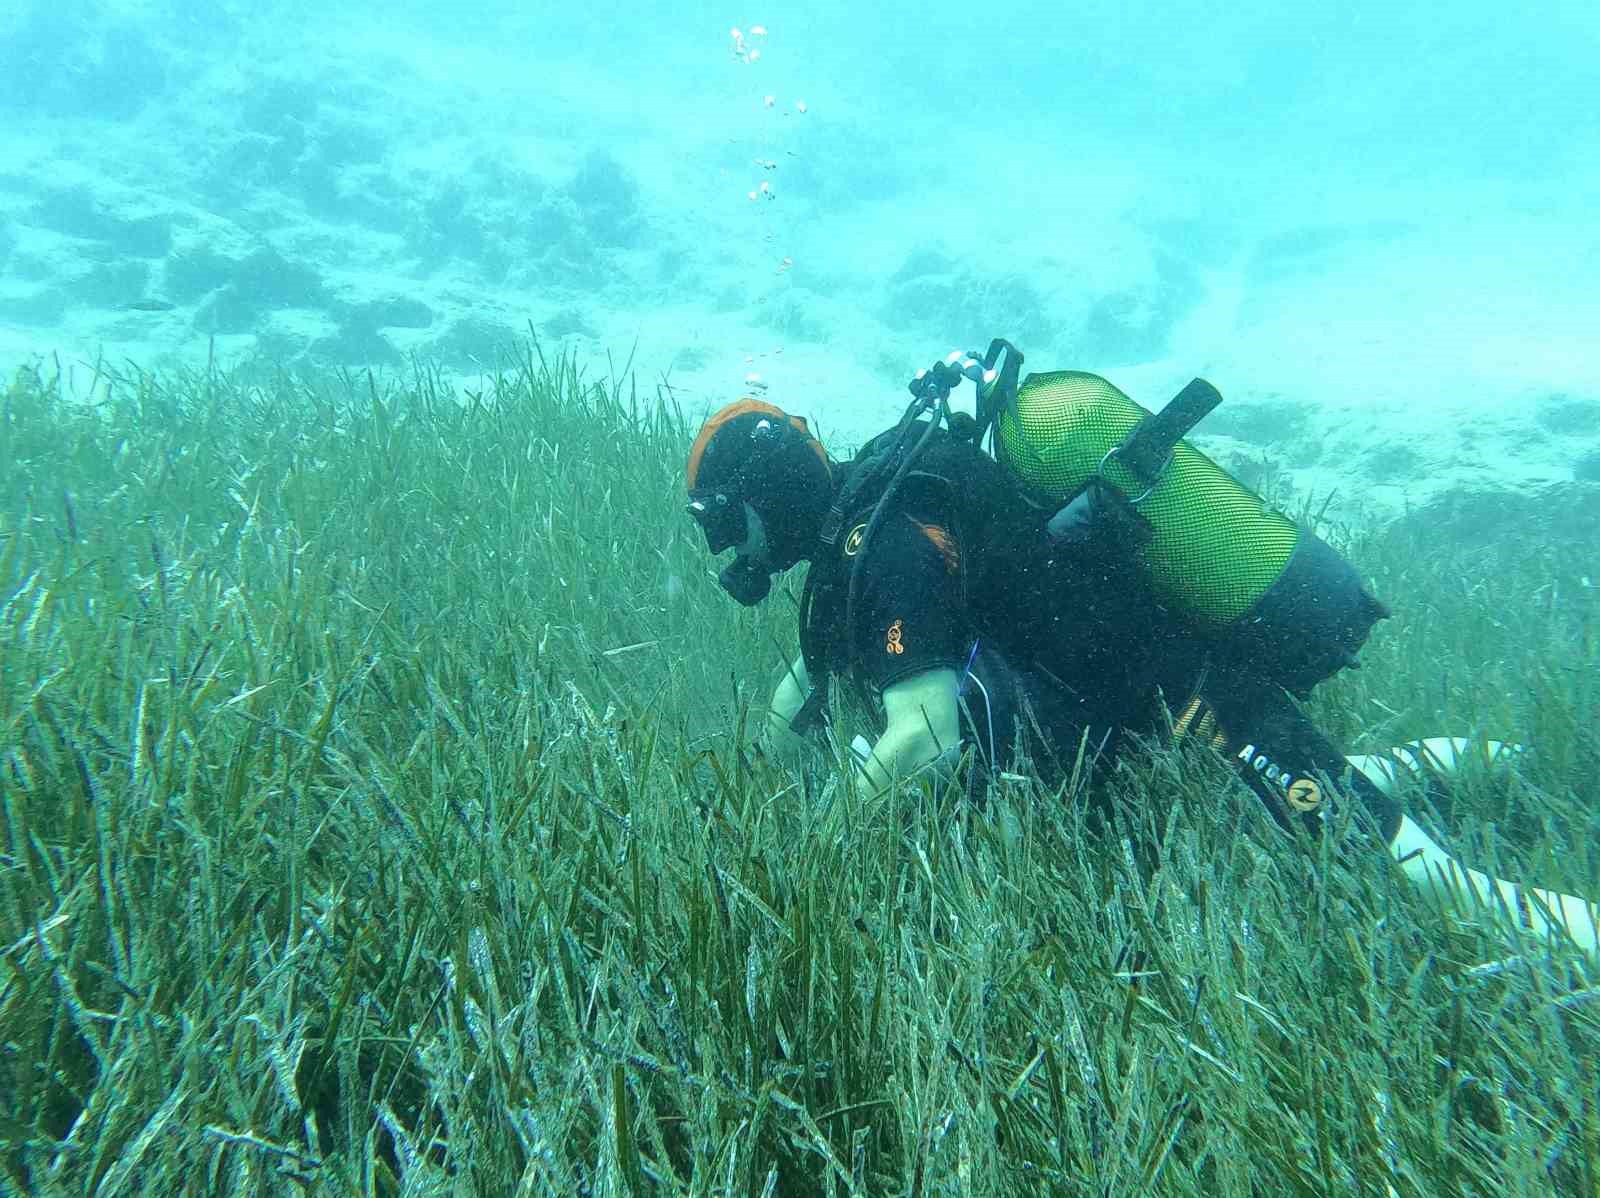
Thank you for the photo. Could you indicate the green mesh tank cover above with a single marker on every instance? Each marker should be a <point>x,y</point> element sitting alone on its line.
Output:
<point>1215,549</point>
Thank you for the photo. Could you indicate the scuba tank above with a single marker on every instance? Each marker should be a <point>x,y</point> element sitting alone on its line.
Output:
<point>1275,599</point>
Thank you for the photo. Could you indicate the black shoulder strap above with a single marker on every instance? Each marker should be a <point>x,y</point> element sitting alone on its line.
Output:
<point>1147,448</point>
<point>819,594</point>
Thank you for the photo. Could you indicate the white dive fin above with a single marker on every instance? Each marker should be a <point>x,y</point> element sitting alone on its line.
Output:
<point>1442,754</point>
<point>1439,875</point>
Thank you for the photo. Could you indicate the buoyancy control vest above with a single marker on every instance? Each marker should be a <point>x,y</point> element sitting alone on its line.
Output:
<point>999,531</point>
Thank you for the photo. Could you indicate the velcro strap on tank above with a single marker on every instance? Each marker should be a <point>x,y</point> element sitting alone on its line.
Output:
<point>1148,448</point>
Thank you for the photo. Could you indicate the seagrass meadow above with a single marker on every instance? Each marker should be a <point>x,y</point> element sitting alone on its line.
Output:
<point>382,815</point>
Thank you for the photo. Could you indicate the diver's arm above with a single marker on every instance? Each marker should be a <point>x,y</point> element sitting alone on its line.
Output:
<point>1440,876</point>
<point>787,700</point>
<point>922,724</point>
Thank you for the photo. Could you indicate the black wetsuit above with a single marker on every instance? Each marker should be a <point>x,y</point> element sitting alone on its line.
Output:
<point>1068,641</point>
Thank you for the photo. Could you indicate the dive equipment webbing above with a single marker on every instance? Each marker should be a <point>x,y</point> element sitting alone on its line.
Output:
<point>1147,450</point>
<point>930,389</point>
<point>996,387</point>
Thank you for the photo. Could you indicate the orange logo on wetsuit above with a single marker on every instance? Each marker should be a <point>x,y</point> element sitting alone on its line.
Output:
<point>944,543</point>
<point>893,645</point>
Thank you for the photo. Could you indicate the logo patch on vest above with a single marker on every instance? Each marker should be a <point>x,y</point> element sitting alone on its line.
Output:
<point>892,645</point>
<point>1300,793</point>
<point>1304,795</point>
<point>852,543</point>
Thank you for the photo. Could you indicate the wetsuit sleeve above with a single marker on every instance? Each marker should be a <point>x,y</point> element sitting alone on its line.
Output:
<point>910,616</point>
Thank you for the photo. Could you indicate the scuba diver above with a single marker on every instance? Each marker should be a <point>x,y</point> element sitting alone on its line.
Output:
<point>1087,577</point>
